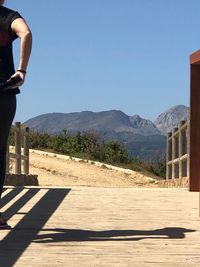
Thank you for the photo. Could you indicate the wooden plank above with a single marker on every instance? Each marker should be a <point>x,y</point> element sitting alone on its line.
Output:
<point>103,227</point>
<point>182,158</point>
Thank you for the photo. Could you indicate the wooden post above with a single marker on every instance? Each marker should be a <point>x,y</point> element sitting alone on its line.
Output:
<point>194,161</point>
<point>167,158</point>
<point>174,153</point>
<point>180,144</point>
<point>26,151</point>
<point>18,147</point>
<point>188,150</point>
<point>168,155</point>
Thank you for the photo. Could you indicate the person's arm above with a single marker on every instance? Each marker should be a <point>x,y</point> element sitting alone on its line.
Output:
<point>22,30</point>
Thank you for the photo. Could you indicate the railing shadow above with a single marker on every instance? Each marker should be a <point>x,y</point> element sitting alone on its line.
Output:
<point>28,228</point>
<point>16,242</point>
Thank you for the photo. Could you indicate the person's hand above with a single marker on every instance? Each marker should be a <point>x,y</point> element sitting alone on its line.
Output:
<point>21,75</point>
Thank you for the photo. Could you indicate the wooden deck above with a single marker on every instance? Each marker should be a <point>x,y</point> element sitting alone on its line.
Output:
<point>85,226</point>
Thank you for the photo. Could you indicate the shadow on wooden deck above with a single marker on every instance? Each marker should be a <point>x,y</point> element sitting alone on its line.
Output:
<point>111,235</point>
<point>26,231</point>
<point>15,243</point>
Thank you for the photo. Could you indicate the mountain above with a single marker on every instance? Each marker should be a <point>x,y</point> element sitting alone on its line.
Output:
<point>105,121</point>
<point>143,138</point>
<point>140,136</point>
<point>143,126</point>
<point>148,148</point>
<point>171,117</point>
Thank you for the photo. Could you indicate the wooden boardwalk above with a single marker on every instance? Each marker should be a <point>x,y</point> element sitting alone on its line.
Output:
<point>86,226</point>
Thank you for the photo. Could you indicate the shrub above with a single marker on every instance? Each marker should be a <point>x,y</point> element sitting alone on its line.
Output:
<point>88,145</point>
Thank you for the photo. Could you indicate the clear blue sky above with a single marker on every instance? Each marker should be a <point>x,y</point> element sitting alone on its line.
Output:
<point>129,55</point>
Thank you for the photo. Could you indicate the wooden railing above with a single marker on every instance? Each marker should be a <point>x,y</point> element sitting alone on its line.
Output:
<point>21,150</point>
<point>177,154</point>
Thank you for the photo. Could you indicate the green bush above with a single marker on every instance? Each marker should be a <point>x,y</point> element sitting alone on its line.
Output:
<point>88,145</point>
<point>159,169</point>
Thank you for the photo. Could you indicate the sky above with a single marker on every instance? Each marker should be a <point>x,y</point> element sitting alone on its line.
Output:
<point>97,55</point>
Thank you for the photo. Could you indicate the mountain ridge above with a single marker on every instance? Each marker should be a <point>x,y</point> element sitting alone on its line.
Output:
<point>142,137</point>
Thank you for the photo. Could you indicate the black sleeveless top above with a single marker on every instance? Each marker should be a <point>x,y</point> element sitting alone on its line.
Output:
<point>7,36</point>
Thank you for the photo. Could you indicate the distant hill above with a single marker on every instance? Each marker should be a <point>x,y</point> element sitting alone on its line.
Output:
<point>106,121</point>
<point>142,137</point>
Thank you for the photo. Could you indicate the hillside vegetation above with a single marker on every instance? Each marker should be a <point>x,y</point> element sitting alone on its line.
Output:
<point>87,145</point>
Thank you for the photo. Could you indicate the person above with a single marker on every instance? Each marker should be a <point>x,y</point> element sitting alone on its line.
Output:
<point>12,26</point>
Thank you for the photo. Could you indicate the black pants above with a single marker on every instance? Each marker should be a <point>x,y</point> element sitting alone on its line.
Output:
<point>7,113</point>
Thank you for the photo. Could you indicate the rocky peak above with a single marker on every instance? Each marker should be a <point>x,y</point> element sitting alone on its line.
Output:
<point>171,117</point>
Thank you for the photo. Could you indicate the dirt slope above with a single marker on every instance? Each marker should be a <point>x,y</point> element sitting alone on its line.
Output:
<point>53,171</point>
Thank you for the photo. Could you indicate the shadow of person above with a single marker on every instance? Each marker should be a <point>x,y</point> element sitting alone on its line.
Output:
<point>31,227</point>
<point>69,235</point>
